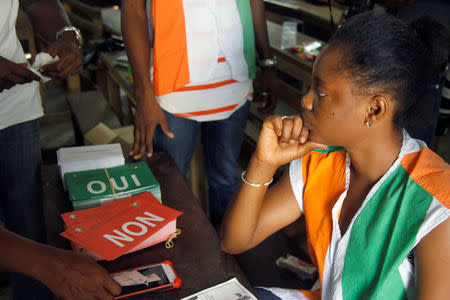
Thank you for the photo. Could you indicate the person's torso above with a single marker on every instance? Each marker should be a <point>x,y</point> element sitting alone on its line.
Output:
<point>370,260</point>
<point>21,102</point>
<point>203,57</point>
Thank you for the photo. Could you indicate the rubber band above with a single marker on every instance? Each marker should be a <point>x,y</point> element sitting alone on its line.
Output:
<point>109,181</point>
<point>169,243</point>
<point>255,184</point>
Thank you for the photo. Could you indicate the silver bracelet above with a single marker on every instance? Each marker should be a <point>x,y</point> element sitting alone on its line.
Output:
<point>75,30</point>
<point>255,184</point>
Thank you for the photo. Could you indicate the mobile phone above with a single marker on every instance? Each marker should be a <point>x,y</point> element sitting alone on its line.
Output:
<point>149,278</point>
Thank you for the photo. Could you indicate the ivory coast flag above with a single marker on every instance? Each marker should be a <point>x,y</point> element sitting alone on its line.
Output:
<point>369,260</point>
<point>190,33</point>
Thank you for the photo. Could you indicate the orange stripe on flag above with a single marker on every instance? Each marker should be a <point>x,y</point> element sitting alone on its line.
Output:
<point>221,59</point>
<point>170,65</point>
<point>206,86</point>
<point>318,201</point>
<point>431,172</point>
<point>311,295</point>
<point>206,112</point>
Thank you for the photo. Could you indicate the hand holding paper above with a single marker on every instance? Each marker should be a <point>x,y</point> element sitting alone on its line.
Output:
<point>12,73</point>
<point>70,61</point>
<point>41,60</point>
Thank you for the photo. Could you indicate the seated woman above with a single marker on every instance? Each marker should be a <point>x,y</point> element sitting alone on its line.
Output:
<point>376,197</point>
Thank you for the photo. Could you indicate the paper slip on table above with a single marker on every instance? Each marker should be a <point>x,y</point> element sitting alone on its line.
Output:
<point>196,254</point>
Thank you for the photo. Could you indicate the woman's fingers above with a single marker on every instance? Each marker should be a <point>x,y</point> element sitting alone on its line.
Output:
<point>277,123</point>
<point>296,130</point>
<point>292,131</point>
<point>288,124</point>
<point>283,139</point>
<point>304,135</point>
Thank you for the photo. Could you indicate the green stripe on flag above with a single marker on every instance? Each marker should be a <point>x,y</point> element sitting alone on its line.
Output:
<point>381,238</point>
<point>330,149</point>
<point>245,12</point>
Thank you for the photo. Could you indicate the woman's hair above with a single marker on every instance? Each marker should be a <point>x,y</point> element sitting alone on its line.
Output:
<point>384,54</point>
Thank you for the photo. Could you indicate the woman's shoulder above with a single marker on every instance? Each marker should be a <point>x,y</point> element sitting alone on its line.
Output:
<point>430,171</point>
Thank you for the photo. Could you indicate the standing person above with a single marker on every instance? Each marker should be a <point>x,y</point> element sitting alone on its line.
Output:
<point>20,108</point>
<point>373,199</point>
<point>193,64</point>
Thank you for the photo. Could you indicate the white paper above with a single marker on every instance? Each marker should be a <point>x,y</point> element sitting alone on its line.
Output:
<point>229,290</point>
<point>42,59</point>
<point>74,159</point>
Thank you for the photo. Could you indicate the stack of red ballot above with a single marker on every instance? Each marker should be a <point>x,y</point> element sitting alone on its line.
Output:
<point>120,227</point>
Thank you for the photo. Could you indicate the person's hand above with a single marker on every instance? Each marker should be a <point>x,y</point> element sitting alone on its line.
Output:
<point>148,115</point>
<point>73,276</point>
<point>12,74</point>
<point>70,61</point>
<point>268,85</point>
<point>282,140</point>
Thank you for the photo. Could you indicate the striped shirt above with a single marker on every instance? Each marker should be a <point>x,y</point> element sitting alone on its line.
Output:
<point>203,57</point>
<point>370,259</point>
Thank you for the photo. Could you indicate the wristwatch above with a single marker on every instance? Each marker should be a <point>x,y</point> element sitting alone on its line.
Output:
<point>268,62</point>
<point>75,30</point>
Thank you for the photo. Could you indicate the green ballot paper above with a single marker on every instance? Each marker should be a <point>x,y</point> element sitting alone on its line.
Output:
<point>96,187</point>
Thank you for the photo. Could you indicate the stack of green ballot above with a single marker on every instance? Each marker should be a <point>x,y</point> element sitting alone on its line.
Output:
<point>92,188</point>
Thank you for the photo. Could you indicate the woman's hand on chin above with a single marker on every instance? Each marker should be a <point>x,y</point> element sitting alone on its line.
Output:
<point>283,139</point>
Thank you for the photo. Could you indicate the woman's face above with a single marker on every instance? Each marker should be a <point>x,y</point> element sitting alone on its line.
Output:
<point>333,113</point>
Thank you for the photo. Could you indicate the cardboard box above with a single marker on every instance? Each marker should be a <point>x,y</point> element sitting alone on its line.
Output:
<point>102,134</point>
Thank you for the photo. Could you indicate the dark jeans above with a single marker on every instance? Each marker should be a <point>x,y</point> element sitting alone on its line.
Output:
<point>20,194</point>
<point>263,294</point>
<point>221,142</point>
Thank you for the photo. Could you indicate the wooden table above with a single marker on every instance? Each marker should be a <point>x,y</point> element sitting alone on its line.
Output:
<point>196,256</point>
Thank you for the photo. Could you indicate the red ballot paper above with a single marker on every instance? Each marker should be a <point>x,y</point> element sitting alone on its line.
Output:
<point>120,227</point>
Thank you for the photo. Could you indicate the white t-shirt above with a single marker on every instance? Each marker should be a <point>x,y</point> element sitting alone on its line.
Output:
<point>22,102</point>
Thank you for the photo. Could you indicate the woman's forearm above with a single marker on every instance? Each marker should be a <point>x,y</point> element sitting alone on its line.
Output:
<point>242,217</point>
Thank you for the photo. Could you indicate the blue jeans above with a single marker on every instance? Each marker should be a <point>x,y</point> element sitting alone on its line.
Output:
<point>221,141</point>
<point>20,195</point>
<point>263,294</point>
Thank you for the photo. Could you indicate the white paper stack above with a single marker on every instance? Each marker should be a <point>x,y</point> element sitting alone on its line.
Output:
<point>74,159</point>
<point>231,289</point>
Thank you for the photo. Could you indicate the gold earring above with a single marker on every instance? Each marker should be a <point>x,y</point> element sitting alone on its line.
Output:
<point>368,124</point>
